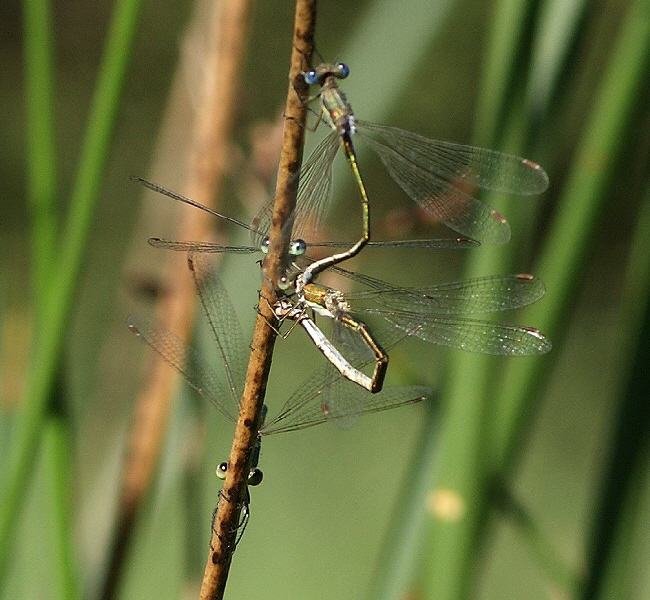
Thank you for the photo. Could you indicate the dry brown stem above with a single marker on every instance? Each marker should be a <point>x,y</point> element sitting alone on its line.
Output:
<point>234,490</point>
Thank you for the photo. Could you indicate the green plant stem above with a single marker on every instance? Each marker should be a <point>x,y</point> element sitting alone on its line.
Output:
<point>508,28</point>
<point>542,548</point>
<point>580,204</point>
<point>62,283</point>
<point>399,558</point>
<point>56,450</point>
<point>579,208</point>
<point>41,151</point>
<point>462,483</point>
<point>620,512</point>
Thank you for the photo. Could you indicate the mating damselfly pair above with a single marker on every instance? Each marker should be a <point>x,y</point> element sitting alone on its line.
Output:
<point>441,178</point>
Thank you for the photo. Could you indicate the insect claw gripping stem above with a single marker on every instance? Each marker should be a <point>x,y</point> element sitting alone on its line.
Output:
<point>271,324</point>
<point>306,103</point>
<point>282,309</point>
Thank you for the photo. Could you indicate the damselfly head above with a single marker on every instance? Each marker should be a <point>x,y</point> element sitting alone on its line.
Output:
<point>310,77</point>
<point>322,72</point>
<point>286,282</point>
<point>255,476</point>
<point>296,247</point>
<point>341,71</point>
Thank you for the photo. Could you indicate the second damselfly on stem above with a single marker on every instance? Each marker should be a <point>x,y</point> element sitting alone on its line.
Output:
<point>433,313</point>
<point>323,397</point>
<point>441,177</point>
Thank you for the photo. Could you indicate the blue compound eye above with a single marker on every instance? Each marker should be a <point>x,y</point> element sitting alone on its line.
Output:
<point>343,70</point>
<point>310,77</point>
<point>298,247</point>
<point>265,245</point>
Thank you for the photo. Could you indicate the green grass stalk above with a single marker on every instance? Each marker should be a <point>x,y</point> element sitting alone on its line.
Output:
<point>462,484</point>
<point>41,150</point>
<point>57,453</point>
<point>580,206</point>
<point>620,509</point>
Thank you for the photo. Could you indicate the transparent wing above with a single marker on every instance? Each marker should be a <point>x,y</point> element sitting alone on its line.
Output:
<point>309,405</point>
<point>176,196</point>
<point>214,248</point>
<point>315,188</point>
<point>441,177</point>
<point>443,243</point>
<point>187,361</point>
<point>203,247</point>
<point>481,167</point>
<point>314,191</point>
<point>488,294</point>
<point>471,335</point>
<point>222,320</point>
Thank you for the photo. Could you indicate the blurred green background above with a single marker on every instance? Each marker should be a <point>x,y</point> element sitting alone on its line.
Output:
<point>555,483</point>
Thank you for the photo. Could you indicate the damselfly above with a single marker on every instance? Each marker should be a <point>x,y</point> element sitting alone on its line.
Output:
<point>441,177</point>
<point>429,313</point>
<point>323,397</point>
